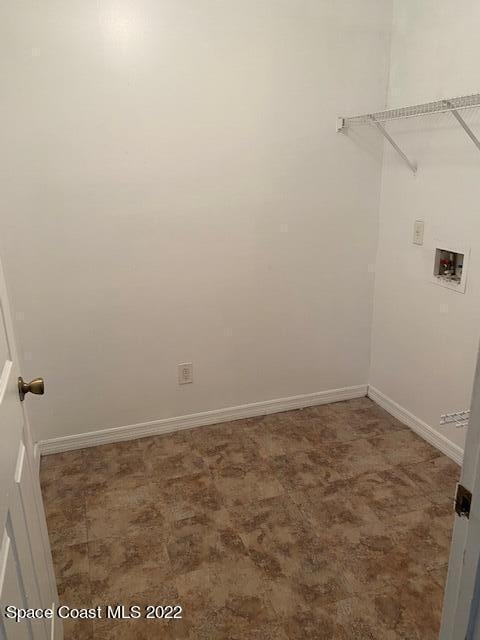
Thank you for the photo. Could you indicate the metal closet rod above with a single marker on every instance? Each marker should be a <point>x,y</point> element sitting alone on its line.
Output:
<point>451,105</point>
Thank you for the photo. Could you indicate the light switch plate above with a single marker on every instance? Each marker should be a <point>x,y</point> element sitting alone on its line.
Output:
<point>418,232</point>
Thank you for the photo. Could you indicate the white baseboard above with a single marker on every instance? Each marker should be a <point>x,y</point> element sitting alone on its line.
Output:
<point>421,428</point>
<point>168,425</point>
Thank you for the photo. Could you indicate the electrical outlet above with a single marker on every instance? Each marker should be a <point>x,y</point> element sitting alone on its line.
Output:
<point>185,373</point>
<point>418,231</point>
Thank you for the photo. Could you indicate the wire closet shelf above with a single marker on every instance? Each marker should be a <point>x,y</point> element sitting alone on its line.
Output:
<point>380,118</point>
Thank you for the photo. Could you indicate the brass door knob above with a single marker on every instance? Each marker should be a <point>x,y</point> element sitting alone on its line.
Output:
<point>36,386</point>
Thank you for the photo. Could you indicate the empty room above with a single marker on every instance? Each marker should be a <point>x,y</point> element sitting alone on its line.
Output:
<point>240,320</point>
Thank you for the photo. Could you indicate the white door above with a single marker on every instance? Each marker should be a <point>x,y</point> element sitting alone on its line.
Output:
<point>26,573</point>
<point>460,619</point>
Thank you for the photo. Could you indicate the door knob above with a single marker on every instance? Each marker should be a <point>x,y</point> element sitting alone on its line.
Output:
<point>36,386</point>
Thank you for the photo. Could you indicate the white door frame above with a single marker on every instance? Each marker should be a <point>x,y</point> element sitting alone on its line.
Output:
<point>462,595</point>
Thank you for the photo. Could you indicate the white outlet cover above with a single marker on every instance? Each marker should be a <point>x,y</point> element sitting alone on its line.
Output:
<point>185,373</point>
<point>418,232</point>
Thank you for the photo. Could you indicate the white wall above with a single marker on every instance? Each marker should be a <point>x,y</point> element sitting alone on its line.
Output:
<point>173,190</point>
<point>425,338</point>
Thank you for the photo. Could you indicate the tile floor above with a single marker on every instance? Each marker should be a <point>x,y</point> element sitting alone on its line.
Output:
<point>331,522</point>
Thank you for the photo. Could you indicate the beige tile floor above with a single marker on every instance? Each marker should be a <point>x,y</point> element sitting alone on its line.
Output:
<point>331,522</point>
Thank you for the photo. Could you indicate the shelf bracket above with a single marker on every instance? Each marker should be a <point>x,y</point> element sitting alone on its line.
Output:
<point>412,165</point>
<point>464,125</point>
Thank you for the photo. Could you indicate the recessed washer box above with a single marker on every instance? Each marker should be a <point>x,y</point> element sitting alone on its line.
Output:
<point>450,266</point>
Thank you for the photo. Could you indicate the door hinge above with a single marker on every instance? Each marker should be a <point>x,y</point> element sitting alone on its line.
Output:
<point>463,501</point>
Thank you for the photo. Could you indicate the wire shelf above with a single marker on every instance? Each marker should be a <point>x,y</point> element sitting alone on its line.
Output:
<point>428,108</point>
<point>458,418</point>
<point>380,118</point>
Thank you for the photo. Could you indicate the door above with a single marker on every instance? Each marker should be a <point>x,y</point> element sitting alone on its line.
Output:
<point>26,573</point>
<point>460,619</point>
